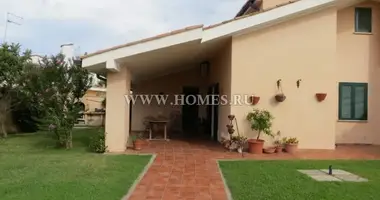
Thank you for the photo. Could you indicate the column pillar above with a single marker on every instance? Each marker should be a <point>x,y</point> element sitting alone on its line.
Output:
<point>117,109</point>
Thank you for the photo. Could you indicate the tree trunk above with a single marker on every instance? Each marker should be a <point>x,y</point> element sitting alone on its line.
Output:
<point>258,135</point>
<point>4,130</point>
<point>69,140</point>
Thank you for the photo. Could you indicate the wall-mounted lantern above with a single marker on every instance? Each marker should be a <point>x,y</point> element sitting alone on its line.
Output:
<point>205,68</point>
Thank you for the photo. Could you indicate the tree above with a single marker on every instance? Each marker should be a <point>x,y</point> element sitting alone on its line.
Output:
<point>60,86</point>
<point>261,121</point>
<point>14,69</point>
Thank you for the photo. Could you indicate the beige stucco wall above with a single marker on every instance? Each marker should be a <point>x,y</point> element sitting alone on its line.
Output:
<point>220,72</point>
<point>171,84</point>
<point>358,60</point>
<point>302,48</point>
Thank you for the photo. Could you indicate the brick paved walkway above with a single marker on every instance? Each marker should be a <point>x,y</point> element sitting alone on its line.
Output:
<point>188,170</point>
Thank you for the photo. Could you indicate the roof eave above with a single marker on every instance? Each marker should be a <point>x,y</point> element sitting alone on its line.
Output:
<point>199,34</point>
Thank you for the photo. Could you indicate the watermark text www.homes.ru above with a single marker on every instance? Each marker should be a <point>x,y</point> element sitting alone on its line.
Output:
<point>181,99</point>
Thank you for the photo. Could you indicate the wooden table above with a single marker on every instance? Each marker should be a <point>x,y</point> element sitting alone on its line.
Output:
<point>158,122</point>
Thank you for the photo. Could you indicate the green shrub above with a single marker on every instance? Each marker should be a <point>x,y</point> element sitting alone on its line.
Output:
<point>98,143</point>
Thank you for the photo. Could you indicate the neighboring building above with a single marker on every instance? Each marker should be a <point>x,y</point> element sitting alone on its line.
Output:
<point>92,100</point>
<point>304,47</point>
<point>70,51</point>
<point>36,58</point>
<point>93,108</point>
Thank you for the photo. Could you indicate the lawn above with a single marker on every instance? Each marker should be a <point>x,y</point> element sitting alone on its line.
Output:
<point>31,168</point>
<point>280,180</point>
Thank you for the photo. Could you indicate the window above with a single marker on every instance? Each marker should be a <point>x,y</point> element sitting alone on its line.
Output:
<point>353,101</point>
<point>363,20</point>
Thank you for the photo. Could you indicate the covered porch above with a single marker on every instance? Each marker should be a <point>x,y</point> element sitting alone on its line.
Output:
<point>171,65</point>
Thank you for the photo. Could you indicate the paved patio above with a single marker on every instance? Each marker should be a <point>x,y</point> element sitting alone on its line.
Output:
<point>189,170</point>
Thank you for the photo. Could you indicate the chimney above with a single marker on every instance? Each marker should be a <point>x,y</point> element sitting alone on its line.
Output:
<point>68,51</point>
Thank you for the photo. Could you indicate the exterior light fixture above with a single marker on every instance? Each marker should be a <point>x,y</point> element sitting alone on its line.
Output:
<point>205,68</point>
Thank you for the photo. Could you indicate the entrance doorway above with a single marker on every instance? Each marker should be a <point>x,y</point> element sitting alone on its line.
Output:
<point>213,112</point>
<point>190,111</point>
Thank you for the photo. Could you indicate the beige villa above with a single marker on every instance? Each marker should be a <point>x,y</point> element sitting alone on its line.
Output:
<point>92,107</point>
<point>305,47</point>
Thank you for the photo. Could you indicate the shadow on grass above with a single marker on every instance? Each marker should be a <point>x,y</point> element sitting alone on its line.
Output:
<point>45,141</point>
<point>81,139</point>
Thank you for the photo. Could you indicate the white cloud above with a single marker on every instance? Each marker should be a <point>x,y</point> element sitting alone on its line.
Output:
<point>131,19</point>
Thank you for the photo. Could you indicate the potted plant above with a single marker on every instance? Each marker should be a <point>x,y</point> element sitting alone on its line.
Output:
<point>138,141</point>
<point>291,145</point>
<point>280,97</point>
<point>321,96</point>
<point>254,99</point>
<point>278,146</point>
<point>278,143</point>
<point>261,121</point>
<point>239,142</point>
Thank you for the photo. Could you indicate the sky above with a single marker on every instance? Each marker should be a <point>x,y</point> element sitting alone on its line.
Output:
<point>97,24</point>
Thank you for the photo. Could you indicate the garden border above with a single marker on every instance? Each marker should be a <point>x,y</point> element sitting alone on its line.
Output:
<point>140,177</point>
<point>226,188</point>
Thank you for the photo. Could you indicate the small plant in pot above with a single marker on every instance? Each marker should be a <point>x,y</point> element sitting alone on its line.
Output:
<point>240,142</point>
<point>278,143</point>
<point>138,141</point>
<point>260,121</point>
<point>291,145</point>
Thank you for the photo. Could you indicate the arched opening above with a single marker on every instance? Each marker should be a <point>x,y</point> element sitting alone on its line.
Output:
<point>82,106</point>
<point>81,112</point>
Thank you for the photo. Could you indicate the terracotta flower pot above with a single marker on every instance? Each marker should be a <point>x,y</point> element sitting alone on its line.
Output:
<point>280,97</point>
<point>255,146</point>
<point>254,100</point>
<point>291,148</point>
<point>279,149</point>
<point>321,96</point>
<point>138,144</point>
<point>270,150</point>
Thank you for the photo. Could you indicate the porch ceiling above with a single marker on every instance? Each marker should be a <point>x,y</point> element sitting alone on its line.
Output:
<point>166,60</point>
<point>170,60</point>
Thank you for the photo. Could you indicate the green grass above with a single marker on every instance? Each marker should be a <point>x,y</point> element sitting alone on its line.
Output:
<point>280,180</point>
<point>31,168</point>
